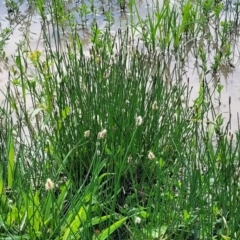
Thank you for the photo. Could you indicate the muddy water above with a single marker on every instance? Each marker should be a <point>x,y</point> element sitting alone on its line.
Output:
<point>228,102</point>
<point>27,27</point>
<point>30,28</point>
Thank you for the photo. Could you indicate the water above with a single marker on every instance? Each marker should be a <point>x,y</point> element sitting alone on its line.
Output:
<point>30,28</point>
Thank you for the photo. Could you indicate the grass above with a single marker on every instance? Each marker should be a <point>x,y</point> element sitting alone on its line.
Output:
<point>111,145</point>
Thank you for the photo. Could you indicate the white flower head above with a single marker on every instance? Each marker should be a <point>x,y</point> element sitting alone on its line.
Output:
<point>137,220</point>
<point>175,117</point>
<point>87,133</point>
<point>211,181</point>
<point>139,120</point>
<point>130,159</point>
<point>125,206</point>
<point>154,106</point>
<point>102,134</point>
<point>208,198</point>
<point>230,135</point>
<point>151,156</point>
<point>49,185</point>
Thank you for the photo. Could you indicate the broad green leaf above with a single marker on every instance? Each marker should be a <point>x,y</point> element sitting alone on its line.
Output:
<point>63,195</point>
<point>80,218</point>
<point>18,62</point>
<point>88,197</point>
<point>11,163</point>
<point>47,209</point>
<point>13,216</point>
<point>105,233</point>
<point>1,179</point>
<point>36,216</point>
<point>65,112</point>
<point>103,175</point>
<point>98,220</point>
<point>144,214</point>
<point>225,237</point>
<point>186,215</point>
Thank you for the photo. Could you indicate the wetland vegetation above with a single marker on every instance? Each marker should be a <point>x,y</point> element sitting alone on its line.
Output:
<point>102,135</point>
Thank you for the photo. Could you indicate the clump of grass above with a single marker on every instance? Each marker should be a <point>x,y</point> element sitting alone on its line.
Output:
<point>109,146</point>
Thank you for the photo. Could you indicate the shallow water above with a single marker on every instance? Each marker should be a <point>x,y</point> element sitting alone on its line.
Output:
<point>30,28</point>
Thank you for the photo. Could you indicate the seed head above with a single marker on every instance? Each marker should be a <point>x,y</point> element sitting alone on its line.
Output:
<point>49,185</point>
<point>87,133</point>
<point>154,106</point>
<point>151,156</point>
<point>137,220</point>
<point>230,136</point>
<point>139,120</point>
<point>130,159</point>
<point>102,134</point>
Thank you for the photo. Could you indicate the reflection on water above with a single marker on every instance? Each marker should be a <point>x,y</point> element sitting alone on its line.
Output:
<point>27,27</point>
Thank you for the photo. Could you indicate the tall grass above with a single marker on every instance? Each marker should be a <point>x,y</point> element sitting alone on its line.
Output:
<point>110,146</point>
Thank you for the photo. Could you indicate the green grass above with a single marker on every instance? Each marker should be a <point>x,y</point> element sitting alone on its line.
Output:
<point>112,147</point>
